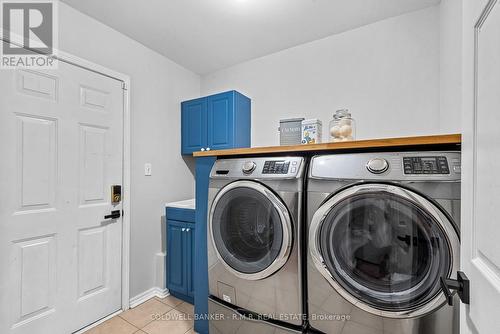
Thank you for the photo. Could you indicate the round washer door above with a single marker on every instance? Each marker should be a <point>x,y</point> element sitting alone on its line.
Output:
<point>251,230</point>
<point>384,249</point>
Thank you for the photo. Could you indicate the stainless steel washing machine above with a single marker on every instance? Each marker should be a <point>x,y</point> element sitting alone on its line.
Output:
<point>255,207</point>
<point>383,228</point>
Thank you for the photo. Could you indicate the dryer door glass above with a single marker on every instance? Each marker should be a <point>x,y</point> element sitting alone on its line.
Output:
<point>385,250</point>
<point>247,229</point>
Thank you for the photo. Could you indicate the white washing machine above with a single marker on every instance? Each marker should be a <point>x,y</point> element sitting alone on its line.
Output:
<point>255,207</point>
<point>383,229</point>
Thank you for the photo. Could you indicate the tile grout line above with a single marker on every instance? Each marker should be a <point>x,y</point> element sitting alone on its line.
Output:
<point>157,320</point>
<point>141,329</point>
<point>168,304</point>
<point>128,322</point>
<point>157,299</point>
<point>173,308</point>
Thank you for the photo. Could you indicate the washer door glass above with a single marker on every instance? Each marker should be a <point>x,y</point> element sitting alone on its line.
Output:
<point>247,229</point>
<point>385,250</point>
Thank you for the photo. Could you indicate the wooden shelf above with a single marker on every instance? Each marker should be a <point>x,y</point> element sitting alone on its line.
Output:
<point>420,141</point>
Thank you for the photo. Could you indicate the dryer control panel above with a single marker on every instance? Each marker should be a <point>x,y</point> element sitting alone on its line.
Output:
<point>426,165</point>
<point>388,166</point>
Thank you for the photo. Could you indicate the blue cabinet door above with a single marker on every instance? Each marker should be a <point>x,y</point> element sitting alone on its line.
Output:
<point>221,121</point>
<point>189,237</point>
<point>194,125</point>
<point>176,257</point>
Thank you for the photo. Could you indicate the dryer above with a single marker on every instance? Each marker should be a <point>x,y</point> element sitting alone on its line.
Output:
<point>383,228</point>
<point>255,207</point>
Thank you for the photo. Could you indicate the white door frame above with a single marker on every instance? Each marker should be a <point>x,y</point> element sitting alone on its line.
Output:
<point>125,79</point>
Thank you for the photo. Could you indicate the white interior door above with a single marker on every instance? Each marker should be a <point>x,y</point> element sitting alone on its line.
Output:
<point>481,164</point>
<point>61,141</point>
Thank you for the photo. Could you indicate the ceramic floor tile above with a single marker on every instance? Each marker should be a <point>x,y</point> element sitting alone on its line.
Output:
<point>115,325</point>
<point>186,308</point>
<point>170,300</point>
<point>143,314</point>
<point>174,322</point>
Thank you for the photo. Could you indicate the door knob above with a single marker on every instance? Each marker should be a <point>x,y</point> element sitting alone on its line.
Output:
<point>202,149</point>
<point>115,214</point>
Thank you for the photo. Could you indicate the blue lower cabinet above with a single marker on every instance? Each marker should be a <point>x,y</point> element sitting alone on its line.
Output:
<point>190,261</point>
<point>180,255</point>
<point>176,258</point>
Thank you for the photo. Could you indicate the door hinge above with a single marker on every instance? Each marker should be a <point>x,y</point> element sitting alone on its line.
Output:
<point>461,285</point>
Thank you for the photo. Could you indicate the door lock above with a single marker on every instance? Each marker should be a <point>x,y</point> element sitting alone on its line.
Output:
<point>116,194</point>
<point>461,284</point>
<point>115,214</point>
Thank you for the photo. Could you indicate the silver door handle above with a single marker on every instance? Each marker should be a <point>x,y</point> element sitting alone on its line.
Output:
<point>183,229</point>
<point>202,149</point>
<point>208,148</point>
<point>188,229</point>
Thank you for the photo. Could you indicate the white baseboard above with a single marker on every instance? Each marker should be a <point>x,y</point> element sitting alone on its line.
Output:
<point>148,294</point>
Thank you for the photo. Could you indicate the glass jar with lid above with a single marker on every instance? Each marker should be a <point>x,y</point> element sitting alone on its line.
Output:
<point>342,126</point>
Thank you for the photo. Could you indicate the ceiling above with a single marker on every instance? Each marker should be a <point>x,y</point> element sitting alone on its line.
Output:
<point>208,35</point>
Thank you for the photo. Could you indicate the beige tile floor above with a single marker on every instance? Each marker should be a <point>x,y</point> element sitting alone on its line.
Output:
<point>157,315</point>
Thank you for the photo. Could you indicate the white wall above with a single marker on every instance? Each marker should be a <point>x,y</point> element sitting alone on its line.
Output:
<point>386,73</point>
<point>157,87</point>
<point>450,25</point>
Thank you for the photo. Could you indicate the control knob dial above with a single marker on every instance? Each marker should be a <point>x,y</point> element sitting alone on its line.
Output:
<point>248,167</point>
<point>377,165</point>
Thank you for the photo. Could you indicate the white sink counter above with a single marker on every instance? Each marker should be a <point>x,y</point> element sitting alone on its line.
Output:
<point>186,204</point>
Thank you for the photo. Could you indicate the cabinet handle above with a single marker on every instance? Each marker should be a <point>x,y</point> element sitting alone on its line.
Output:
<point>208,148</point>
<point>183,229</point>
<point>188,229</point>
<point>202,149</point>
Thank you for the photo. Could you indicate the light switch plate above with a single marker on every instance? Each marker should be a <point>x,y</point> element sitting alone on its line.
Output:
<point>147,169</point>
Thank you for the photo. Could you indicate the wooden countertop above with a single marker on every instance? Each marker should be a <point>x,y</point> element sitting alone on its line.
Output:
<point>420,141</point>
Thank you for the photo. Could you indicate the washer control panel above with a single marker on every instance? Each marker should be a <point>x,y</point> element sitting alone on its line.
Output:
<point>276,167</point>
<point>426,165</point>
<point>267,168</point>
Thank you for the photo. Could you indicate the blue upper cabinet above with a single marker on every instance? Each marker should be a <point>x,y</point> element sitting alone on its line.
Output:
<point>216,122</point>
<point>194,128</point>
<point>220,121</point>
